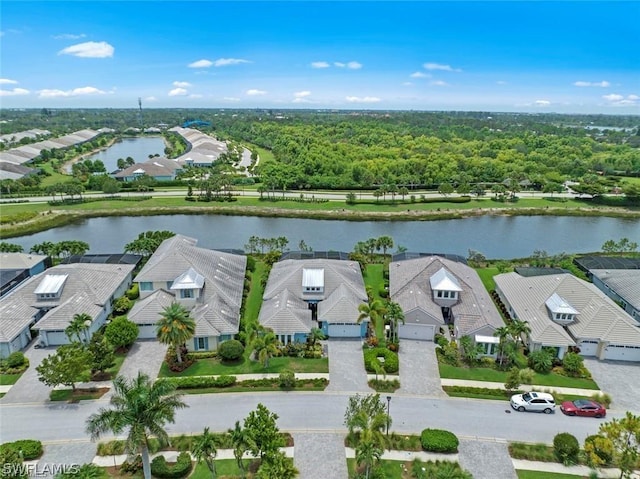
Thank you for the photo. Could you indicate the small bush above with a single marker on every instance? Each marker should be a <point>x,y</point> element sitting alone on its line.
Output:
<point>202,355</point>
<point>199,382</point>
<point>111,448</point>
<point>133,293</point>
<point>160,468</point>
<point>441,340</point>
<point>390,364</point>
<point>541,361</point>
<point>598,451</point>
<point>16,359</point>
<point>131,466</point>
<point>438,440</point>
<point>231,350</point>
<point>287,380</point>
<point>602,398</point>
<point>29,448</point>
<point>566,448</point>
<point>122,305</point>
<point>572,364</point>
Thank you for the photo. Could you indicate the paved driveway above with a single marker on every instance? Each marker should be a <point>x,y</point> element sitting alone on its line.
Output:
<point>320,456</point>
<point>346,366</point>
<point>28,388</point>
<point>419,369</point>
<point>144,356</point>
<point>486,460</point>
<point>620,379</point>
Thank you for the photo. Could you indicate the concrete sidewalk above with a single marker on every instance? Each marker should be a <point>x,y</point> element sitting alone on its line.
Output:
<point>556,467</point>
<point>522,387</point>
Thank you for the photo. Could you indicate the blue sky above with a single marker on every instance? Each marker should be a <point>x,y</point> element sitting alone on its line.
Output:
<point>581,57</point>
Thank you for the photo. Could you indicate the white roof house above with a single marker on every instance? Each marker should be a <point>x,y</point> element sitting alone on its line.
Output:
<point>588,318</point>
<point>622,285</point>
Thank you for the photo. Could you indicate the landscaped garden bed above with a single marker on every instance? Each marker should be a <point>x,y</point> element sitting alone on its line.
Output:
<point>505,395</point>
<point>79,394</point>
<point>216,367</point>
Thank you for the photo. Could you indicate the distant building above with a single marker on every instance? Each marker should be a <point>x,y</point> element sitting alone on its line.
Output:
<point>17,267</point>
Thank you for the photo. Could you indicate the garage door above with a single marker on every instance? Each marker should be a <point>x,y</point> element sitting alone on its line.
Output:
<point>414,331</point>
<point>147,331</point>
<point>622,353</point>
<point>57,338</point>
<point>588,348</point>
<point>344,330</point>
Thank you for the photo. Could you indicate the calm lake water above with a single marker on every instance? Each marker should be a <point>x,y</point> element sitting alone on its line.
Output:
<point>494,236</point>
<point>137,148</point>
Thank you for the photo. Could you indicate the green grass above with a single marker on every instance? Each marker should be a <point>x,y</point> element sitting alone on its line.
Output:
<point>254,298</point>
<point>387,469</point>
<point>373,278</point>
<point>224,468</point>
<point>79,395</point>
<point>486,275</point>
<point>492,375</point>
<point>498,394</point>
<point>545,475</point>
<point>243,389</point>
<point>9,379</point>
<point>119,359</point>
<point>214,367</point>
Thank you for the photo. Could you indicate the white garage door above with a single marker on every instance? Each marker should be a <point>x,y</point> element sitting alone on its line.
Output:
<point>622,353</point>
<point>344,330</point>
<point>588,348</point>
<point>415,331</point>
<point>147,331</point>
<point>57,338</point>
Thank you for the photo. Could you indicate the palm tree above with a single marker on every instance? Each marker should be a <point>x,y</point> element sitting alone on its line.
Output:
<point>78,327</point>
<point>518,328</point>
<point>368,453</point>
<point>384,243</point>
<point>240,444</point>
<point>315,335</point>
<point>395,315</point>
<point>204,449</point>
<point>504,335</point>
<point>265,347</point>
<point>374,310</point>
<point>175,327</point>
<point>142,407</point>
<point>277,466</point>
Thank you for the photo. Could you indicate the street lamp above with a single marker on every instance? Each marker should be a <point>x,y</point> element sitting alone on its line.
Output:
<point>388,417</point>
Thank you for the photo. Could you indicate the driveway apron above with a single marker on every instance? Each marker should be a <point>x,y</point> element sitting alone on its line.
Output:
<point>419,369</point>
<point>28,388</point>
<point>621,380</point>
<point>346,366</point>
<point>486,460</point>
<point>320,456</point>
<point>64,456</point>
<point>145,357</point>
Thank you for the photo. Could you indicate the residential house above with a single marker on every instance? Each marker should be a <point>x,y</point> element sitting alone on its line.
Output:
<point>621,285</point>
<point>435,292</point>
<point>207,282</point>
<point>158,168</point>
<point>47,303</point>
<point>16,267</point>
<point>302,294</point>
<point>564,311</point>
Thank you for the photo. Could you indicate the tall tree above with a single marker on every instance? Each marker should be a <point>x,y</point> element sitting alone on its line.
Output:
<point>79,327</point>
<point>142,408</point>
<point>67,366</point>
<point>175,327</point>
<point>384,243</point>
<point>624,436</point>
<point>240,444</point>
<point>264,437</point>
<point>374,310</point>
<point>368,453</point>
<point>265,347</point>
<point>395,316</point>
<point>204,449</point>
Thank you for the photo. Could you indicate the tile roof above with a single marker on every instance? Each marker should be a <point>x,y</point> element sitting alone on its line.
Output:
<point>148,310</point>
<point>624,282</point>
<point>20,260</point>
<point>284,313</point>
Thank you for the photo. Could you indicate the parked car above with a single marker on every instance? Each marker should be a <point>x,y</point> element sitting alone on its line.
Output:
<point>583,407</point>
<point>533,401</point>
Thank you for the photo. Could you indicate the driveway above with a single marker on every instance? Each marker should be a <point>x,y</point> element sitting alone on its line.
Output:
<point>486,460</point>
<point>419,369</point>
<point>320,456</point>
<point>144,356</point>
<point>346,366</point>
<point>620,379</point>
<point>28,388</point>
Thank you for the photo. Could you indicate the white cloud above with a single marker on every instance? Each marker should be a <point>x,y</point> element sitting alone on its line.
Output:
<point>7,81</point>
<point>151,98</point>
<point>613,97</point>
<point>439,66</point>
<point>319,65</point>
<point>362,99</point>
<point>620,100</point>
<point>420,75</point>
<point>55,93</point>
<point>438,83</point>
<point>181,84</point>
<point>254,92</point>
<point>14,92</point>
<point>178,92</point>
<point>602,84</point>
<point>350,65</point>
<point>69,36</point>
<point>223,62</point>
<point>542,103</point>
<point>201,64</point>
<point>301,100</point>
<point>89,50</point>
<point>231,98</point>
<point>301,94</point>
<point>633,97</point>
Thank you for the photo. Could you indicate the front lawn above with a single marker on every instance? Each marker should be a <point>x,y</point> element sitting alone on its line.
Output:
<point>493,375</point>
<point>497,394</point>
<point>486,275</point>
<point>545,475</point>
<point>253,301</point>
<point>215,367</point>
<point>9,379</point>
<point>69,395</point>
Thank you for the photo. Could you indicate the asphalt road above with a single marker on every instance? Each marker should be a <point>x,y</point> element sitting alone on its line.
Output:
<point>320,411</point>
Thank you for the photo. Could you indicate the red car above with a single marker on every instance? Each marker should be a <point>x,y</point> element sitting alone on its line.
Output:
<point>583,407</point>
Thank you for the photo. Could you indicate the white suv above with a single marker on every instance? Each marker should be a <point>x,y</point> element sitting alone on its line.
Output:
<point>533,401</point>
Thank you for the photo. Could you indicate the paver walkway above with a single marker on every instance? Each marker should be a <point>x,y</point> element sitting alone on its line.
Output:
<point>144,356</point>
<point>346,366</point>
<point>419,369</point>
<point>320,456</point>
<point>28,388</point>
<point>486,460</point>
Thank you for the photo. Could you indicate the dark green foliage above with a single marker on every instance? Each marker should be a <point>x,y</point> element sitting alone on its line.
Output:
<point>16,359</point>
<point>441,340</point>
<point>541,361</point>
<point>102,355</point>
<point>122,305</point>
<point>566,448</point>
<point>132,466</point>
<point>438,440</point>
<point>251,263</point>
<point>29,448</point>
<point>231,350</point>
<point>11,464</point>
<point>121,333</point>
<point>572,363</point>
<point>197,382</point>
<point>390,364</point>
<point>595,443</point>
<point>133,292</point>
<point>287,379</point>
<point>438,469</point>
<point>86,471</point>
<point>160,468</point>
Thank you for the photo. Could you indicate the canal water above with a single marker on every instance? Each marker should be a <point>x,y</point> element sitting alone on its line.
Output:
<point>137,148</point>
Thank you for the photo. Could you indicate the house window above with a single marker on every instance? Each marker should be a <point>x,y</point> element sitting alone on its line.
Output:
<point>186,293</point>
<point>439,294</point>
<point>202,344</point>
<point>169,284</point>
<point>146,286</point>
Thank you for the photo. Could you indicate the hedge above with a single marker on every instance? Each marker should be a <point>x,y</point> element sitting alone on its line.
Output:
<point>198,382</point>
<point>30,448</point>
<point>390,364</point>
<point>566,448</point>
<point>438,440</point>
<point>182,467</point>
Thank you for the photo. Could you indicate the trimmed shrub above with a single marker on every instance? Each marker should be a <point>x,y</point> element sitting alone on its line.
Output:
<point>566,448</point>
<point>30,448</point>
<point>541,361</point>
<point>133,293</point>
<point>572,364</point>
<point>86,471</point>
<point>441,340</point>
<point>122,305</point>
<point>202,355</point>
<point>390,364</point>
<point>438,440</point>
<point>160,468</point>
<point>15,359</point>
<point>231,350</point>
<point>197,382</point>
<point>287,379</point>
